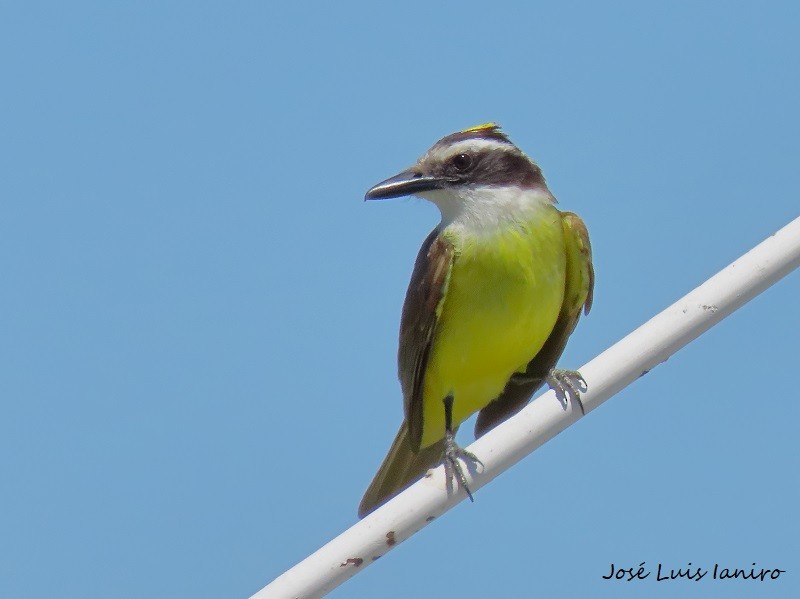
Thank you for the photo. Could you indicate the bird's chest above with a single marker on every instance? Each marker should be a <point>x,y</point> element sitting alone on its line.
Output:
<point>503,297</point>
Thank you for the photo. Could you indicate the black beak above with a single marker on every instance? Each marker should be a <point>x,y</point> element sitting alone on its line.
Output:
<point>406,183</point>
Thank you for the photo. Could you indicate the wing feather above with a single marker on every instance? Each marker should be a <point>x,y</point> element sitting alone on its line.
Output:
<point>418,324</point>
<point>405,462</point>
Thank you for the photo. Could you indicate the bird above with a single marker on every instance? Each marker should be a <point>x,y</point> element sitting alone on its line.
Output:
<point>496,290</point>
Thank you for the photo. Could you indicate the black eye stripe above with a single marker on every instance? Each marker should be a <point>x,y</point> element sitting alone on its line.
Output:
<point>493,166</point>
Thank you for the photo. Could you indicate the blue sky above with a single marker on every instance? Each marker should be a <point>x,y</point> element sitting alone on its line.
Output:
<point>198,312</point>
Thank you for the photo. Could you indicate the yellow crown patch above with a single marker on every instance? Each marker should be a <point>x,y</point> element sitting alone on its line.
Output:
<point>485,127</point>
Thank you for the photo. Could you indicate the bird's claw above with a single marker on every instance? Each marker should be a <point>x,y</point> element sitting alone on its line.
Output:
<point>568,385</point>
<point>453,453</point>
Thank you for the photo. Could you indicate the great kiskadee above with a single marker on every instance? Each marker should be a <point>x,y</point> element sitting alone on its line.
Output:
<point>497,289</point>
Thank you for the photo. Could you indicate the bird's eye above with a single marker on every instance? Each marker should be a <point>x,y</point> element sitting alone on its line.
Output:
<point>462,162</point>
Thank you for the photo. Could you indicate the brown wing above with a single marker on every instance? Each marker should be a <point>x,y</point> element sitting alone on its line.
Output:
<point>405,462</point>
<point>418,323</point>
<point>578,294</point>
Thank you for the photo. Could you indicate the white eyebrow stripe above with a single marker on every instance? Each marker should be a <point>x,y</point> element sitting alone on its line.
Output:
<point>470,146</point>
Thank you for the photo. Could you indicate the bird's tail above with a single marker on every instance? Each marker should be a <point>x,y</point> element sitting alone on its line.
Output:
<point>401,467</point>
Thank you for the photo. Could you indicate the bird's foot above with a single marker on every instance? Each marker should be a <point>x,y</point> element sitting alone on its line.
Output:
<point>452,454</point>
<point>568,385</point>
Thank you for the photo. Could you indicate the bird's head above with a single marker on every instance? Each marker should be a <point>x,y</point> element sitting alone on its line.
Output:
<point>478,165</point>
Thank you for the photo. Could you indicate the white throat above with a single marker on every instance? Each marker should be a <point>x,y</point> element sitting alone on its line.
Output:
<point>484,209</point>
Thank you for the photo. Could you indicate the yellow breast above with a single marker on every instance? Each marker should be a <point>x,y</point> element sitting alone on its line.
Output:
<point>503,297</point>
